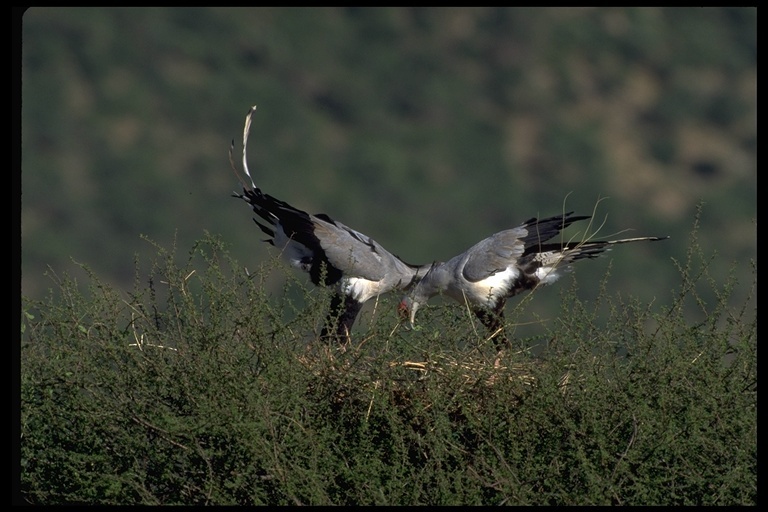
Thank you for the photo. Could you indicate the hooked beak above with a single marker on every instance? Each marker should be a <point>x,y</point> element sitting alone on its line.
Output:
<point>407,311</point>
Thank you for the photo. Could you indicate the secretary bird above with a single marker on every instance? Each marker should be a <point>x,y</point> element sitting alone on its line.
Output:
<point>355,265</point>
<point>504,265</point>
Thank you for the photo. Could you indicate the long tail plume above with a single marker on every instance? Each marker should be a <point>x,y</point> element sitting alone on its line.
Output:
<point>246,132</point>
<point>574,251</point>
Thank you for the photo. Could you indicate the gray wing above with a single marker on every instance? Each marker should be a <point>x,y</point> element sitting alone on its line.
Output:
<point>352,252</point>
<point>494,254</point>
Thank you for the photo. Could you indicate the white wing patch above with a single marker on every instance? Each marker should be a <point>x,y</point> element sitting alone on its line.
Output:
<point>359,288</point>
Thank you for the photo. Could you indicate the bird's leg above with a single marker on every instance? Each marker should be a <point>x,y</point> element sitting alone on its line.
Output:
<point>341,316</point>
<point>493,320</point>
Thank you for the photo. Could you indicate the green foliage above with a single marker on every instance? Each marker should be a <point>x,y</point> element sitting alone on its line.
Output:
<point>200,387</point>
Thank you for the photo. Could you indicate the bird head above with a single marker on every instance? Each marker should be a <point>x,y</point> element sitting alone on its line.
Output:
<point>420,291</point>
<point>407,310</point>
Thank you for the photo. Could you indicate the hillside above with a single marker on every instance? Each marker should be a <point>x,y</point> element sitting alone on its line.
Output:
<point>426,129</point>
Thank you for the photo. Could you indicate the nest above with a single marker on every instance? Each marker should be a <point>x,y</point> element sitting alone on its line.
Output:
<point>346,377</point>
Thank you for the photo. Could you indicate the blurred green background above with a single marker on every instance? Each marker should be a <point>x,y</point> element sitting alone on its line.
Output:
<point>425,128</point>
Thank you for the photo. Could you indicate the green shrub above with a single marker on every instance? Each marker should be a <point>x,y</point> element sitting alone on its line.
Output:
<point>199,388</point>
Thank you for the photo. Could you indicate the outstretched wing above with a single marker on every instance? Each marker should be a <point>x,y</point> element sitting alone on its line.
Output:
<point>494,254</point>
<point>355,254</point>
<point>316,243</point>
<point>505,248</point>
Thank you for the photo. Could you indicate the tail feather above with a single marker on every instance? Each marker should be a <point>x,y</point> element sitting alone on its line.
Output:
<point>574,251</point>
<point>246,131</point>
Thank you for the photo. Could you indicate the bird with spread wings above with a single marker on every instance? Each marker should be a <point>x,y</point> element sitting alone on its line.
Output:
<point>355,265</point>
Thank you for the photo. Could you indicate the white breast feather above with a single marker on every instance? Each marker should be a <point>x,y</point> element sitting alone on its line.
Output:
<point>490,289</point>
